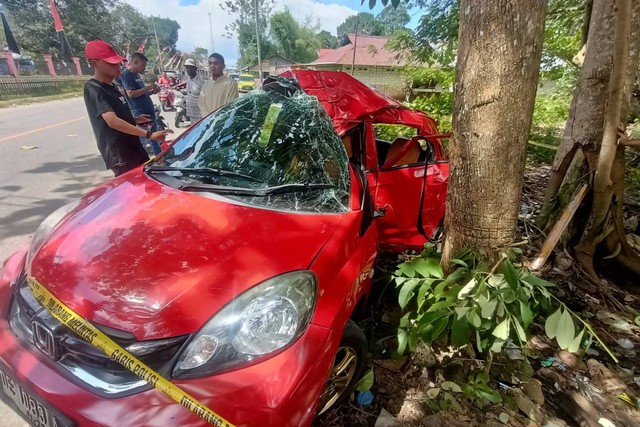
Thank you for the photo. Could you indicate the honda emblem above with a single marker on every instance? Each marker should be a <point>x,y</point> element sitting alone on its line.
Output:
<point>44,339</point>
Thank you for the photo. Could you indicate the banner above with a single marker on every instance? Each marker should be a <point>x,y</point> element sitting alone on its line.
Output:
<point>8,35</point>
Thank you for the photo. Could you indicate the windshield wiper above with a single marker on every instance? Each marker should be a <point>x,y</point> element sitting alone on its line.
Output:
<point>255,192</point>
<point>200,171</point>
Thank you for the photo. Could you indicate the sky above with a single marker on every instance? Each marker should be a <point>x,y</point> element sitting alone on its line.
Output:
<point>192,15</point>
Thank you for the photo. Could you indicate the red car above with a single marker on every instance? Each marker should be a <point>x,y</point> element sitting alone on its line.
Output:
<point>232,266</point>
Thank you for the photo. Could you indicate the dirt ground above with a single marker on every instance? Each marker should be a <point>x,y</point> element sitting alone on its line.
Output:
<point>540,385</point>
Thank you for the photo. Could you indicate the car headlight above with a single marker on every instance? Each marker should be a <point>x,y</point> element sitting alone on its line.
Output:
<point>261,321</point>
<point>46,228</point>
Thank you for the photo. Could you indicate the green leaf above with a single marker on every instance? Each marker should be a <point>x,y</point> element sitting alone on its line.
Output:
<point>429,267</point>
<point>500,309</point>
<point>440,305</point>
<point>460,332</point>
<point>400,281</point>
<point>406,292</point>
<point>403,338</point>
<point>566,331</point>
<point>510,274</point>
<point>474,319</point>
<point>366,382</point>
<point>492,396</point>
<point>637,320</point>
<point>551,325</point>
<point>503,417</point>
<point>526,314</point>
<point>466,290</point>
<point>536,281</point>
<point>575,344</point>
<point>432,393</point>
<point>459,262</point>
<point>456,275</point>
<point>451,386</point>
<point>461,311</point>
<point>426,286</point>
<point>522,336</point>
<point>496,281</point>
<point>502,330</point>
<point>489,308</point>
<point>405,269</point>
<point>439,327</point>
<point>479,342</point>
<point>413,340</point>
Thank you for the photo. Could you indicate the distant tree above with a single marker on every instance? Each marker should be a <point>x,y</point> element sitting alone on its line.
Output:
<point>292,40</point>
<point>393,18</point>
<point>244,27</point>
<point>130,28</point>
<point>366,22</point>
<point>83,20</point>
<point>200,54</point>
<point>327,40</point>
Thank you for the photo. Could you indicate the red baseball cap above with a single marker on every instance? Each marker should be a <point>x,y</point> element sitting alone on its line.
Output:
<point>99,49</point>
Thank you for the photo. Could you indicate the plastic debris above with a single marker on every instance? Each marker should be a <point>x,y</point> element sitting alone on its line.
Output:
<point>548,362</point>
<point>385,419</point>
<point>364,398</point>
<point>625,343</point>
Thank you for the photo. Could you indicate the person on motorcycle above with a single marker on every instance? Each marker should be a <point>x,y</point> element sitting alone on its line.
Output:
<point>194,86</point>
<point>138,93</point>
<point>164,80</point>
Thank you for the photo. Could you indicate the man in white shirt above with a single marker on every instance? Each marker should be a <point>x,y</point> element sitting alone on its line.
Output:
<point>194,87</point>
<point>219,90</point>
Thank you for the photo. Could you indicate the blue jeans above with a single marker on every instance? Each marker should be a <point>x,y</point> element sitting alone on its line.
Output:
<point>153,127</point>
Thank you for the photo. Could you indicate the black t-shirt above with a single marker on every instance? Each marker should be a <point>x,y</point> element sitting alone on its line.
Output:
<point>119,150</point>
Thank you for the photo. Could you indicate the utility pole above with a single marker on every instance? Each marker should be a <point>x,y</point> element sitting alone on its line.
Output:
<point>355,45</point>
<point>255,8</point>
<point>155,32</point>
<point>213,47</point>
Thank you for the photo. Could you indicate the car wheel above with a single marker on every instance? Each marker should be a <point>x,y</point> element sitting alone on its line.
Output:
<point>349,362</point>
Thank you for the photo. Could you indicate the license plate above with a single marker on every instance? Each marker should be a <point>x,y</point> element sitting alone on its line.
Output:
<point>31,408</point>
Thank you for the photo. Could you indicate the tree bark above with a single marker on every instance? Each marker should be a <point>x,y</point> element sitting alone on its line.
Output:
<point>584,128</point>
<point>603,187</point>
<point>499,50</point>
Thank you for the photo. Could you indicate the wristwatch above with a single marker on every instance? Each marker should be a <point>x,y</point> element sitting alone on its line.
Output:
<point>149,133</point>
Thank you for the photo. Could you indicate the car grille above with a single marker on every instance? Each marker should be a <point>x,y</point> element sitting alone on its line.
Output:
<point>79,360</point>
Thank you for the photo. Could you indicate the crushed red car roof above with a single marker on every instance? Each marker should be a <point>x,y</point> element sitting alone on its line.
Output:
<point>348,101</point>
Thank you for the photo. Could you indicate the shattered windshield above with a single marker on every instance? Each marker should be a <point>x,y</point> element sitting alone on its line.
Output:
<point>265,149</point>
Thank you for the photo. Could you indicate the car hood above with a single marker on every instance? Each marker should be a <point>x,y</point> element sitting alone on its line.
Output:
<point>142,257</point>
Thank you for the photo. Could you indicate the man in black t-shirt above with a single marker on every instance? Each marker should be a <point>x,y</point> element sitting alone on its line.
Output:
<point>113,124</point>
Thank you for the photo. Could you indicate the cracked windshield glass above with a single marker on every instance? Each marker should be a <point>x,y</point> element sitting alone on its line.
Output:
<point>268,150</point>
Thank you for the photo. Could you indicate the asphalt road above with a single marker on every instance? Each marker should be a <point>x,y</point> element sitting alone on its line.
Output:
<point>48,157</point>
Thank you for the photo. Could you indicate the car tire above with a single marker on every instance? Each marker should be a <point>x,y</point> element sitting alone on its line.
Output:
<point>352,345</point>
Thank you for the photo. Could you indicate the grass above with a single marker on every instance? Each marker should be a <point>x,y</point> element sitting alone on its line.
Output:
<point>34,99</point>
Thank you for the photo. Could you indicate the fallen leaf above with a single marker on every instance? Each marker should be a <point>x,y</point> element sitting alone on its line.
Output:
<point>503,417</point>
<point>28,147</point>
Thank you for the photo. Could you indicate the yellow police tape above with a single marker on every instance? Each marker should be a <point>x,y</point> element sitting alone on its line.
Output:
<point>93,336</point>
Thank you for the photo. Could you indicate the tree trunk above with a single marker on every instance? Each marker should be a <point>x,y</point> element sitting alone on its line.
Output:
<point>603,189</point>
<point>586,115</point>
<point>499,50</point>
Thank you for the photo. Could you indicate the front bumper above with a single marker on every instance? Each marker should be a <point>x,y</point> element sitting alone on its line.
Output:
<point>280,391</point>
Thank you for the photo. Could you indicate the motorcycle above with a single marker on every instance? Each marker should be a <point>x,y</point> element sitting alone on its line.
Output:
<point>162,125</point>
<point>181,108</point>
<point>167,98</point>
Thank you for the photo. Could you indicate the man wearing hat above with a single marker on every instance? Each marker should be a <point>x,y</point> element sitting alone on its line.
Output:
<point>113,124</point>
<point>194,86</point>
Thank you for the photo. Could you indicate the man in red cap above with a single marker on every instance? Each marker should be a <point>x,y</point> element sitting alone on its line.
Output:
<point>113,124</point>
